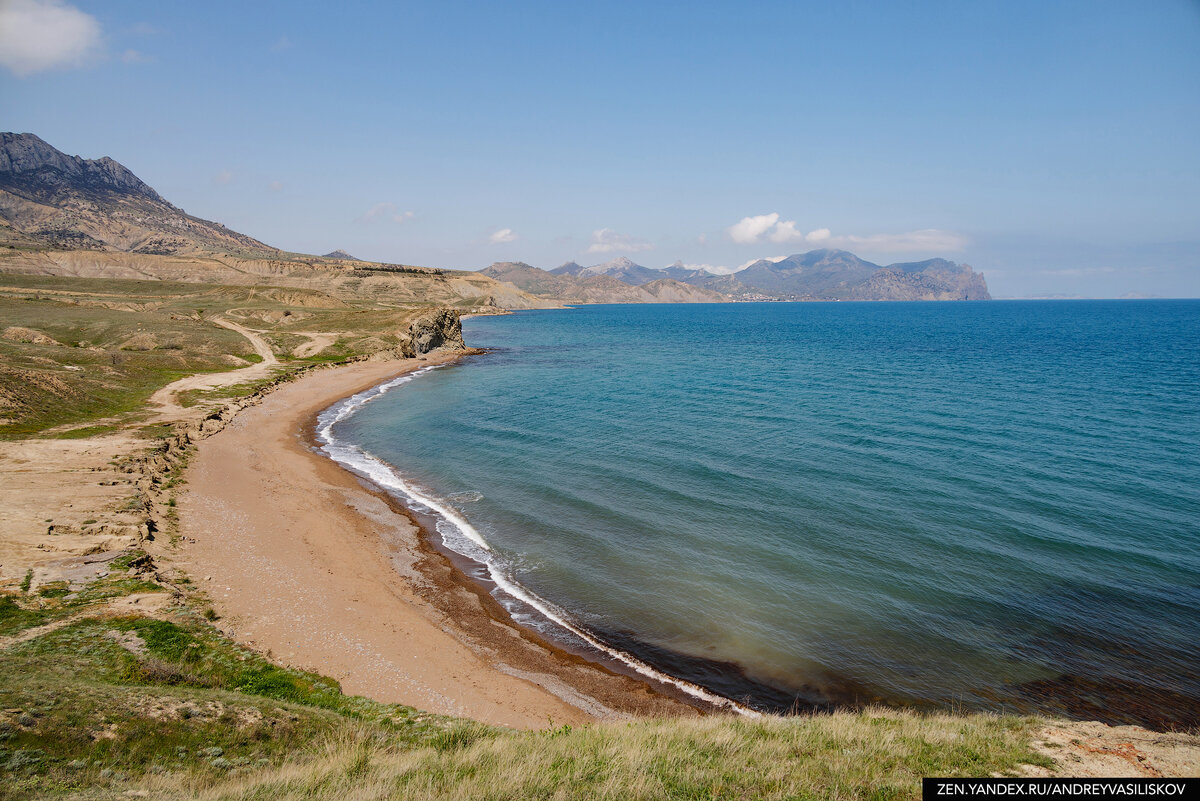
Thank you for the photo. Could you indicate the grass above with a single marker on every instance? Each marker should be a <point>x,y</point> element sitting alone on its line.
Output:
<point>104,705</point>
<point>870,755</point>
<point>114,342</point>
<point>102,701</point>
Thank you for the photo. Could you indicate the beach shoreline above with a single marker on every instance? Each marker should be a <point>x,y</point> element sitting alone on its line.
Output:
<point>314,565</point>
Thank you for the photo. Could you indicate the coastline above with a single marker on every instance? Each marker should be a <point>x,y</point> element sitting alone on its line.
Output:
<point>306,561</point>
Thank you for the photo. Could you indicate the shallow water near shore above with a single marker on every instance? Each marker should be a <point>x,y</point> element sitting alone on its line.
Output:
<point>982,505</point>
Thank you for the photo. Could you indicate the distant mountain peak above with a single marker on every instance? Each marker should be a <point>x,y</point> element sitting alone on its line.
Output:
<point>619,263</point>
<point>340,254</point>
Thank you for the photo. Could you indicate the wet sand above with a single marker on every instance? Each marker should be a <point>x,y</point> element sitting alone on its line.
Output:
<point>304,560</point>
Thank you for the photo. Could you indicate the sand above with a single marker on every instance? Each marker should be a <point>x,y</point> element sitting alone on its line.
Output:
<point>303,560</point>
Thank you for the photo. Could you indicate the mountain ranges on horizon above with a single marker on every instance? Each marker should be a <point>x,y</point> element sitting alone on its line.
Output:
<point>816,275</point>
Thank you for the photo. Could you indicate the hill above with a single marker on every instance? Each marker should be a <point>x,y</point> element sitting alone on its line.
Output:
<point>622,269</point>
<point>570,285</point>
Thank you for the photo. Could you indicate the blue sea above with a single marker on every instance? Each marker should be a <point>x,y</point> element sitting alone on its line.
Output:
<point>991,505</point>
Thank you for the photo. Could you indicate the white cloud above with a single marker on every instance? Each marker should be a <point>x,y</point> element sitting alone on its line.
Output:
<point>750,229</point>
<point>384,212</point>
<point>223,177</point>
<point>606,240</point>
<point>503,236</point>
<point>37,35</point>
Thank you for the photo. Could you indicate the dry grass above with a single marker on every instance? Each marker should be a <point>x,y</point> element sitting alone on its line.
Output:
<point>876,754</point>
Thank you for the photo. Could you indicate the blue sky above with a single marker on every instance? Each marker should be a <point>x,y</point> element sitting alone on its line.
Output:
<point>1055,146</point>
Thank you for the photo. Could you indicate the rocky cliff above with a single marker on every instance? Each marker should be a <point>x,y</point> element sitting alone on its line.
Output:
<point>439,330</point>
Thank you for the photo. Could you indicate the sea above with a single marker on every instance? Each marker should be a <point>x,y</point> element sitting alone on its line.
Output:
<point>805,506</point>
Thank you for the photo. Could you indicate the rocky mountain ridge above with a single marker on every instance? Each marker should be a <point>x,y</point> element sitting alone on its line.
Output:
<point>816,275</point>
<point>50,199</point>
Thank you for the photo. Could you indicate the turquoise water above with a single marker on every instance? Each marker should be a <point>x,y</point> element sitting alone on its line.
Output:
<point>983,505</point>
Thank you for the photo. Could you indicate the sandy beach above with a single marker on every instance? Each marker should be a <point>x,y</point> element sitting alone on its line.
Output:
<point>303,560</point>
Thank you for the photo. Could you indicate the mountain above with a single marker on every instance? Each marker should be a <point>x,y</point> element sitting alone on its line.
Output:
<point>816,275</point>
<point>48,198</point>
<point>570,285</point>
<point>340,254</point>
<point>680,272</point>
<point>840,275</point>
<point>623,269</point>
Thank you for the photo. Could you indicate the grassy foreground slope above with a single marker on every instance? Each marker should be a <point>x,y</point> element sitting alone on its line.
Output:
<point>101,700</point>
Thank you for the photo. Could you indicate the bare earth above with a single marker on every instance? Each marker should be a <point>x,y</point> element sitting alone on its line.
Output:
<point>164,403</point>
<point>302,560</point>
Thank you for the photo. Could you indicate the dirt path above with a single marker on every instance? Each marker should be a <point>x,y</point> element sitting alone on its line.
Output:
<point>149,604</point>
<point>317,342</point>
<point>163,401</point>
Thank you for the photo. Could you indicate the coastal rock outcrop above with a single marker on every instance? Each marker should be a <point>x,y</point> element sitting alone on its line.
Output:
<point>440,330</point>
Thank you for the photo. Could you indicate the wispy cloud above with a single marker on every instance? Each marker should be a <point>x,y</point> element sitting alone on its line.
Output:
<point>38,35</point>
<point>927,240</point>
<point>385,212</point>
<point>135,57</point>
<point>606,240</point>
<point>769,227</point>
<point>716,269</point>
<point>1079,272</point>
<point>223,177</point>
<point>503,236</point>
<point>281,44</point>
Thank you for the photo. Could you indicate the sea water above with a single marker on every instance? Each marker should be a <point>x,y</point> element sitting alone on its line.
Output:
<point>990,505</point>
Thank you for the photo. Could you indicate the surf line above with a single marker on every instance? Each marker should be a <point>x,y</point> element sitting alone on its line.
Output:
<point>359,461</point>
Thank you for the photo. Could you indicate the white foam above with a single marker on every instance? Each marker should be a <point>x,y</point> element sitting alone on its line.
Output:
<point>465,539</point>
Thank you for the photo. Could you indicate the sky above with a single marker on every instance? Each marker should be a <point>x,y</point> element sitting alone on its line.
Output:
<point>1053,146</point>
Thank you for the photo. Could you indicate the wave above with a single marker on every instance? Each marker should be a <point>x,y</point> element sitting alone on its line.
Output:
<point>463,538</point>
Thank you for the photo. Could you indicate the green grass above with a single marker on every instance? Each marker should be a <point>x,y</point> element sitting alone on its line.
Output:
<point>104,706</point>
<point>91,713</point>
<point>118,341</point>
